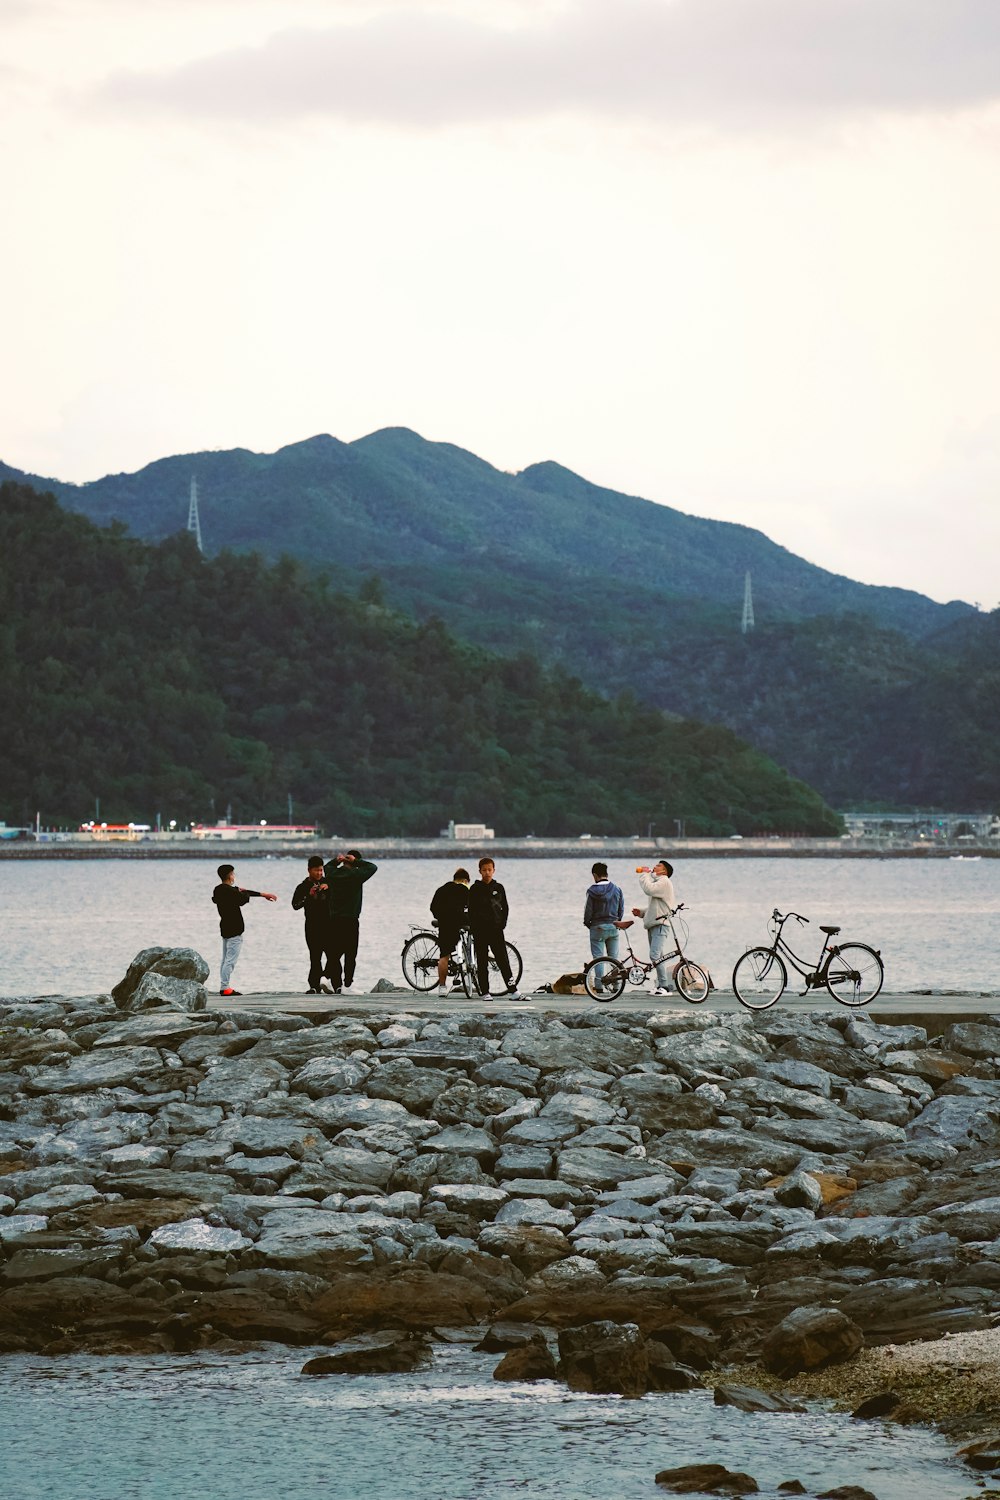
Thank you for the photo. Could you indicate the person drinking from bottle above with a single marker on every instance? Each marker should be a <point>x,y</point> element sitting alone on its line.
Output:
<point>658,888</point>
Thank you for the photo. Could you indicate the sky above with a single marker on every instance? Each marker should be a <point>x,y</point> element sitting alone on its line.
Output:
<point>735,256</point>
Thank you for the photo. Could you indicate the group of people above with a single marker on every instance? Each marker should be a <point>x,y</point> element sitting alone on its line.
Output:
<point>331,897</point>
<point>604,916</point>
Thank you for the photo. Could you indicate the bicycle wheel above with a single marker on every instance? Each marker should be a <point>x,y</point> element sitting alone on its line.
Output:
<point>854,974</point>
<point>759,978</point>
<point>691,981</point>
<point>420,960</point>
<point>604,978</point>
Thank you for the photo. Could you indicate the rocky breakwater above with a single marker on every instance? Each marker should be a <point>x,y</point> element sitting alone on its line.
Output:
<point>175,1178</point>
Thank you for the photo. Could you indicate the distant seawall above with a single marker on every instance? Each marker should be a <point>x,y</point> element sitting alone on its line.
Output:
<point>644,850</point>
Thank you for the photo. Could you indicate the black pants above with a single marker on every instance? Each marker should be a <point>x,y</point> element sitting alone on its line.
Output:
<point>489,940</point>
<point>343,945</point>
<point>318,943</point>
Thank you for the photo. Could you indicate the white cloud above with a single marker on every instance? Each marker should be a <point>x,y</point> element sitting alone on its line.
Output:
<point>728,62</point>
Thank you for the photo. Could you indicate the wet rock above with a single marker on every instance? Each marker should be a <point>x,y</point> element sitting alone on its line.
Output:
<point>604,1357</point>
<point>747,1398</point>
<point>847,1492</point>
<point>809,1339</point>
<point>374,1354</point>
<point>528,1361</point>
<point>983,1454</point>
<point>706,1479</point>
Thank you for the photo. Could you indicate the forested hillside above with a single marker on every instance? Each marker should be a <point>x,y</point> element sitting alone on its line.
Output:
<point>872,695</point>
<point>165,682</point>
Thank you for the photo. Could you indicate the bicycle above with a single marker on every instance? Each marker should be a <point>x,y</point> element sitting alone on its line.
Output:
<point>421,953</point>
<point>605,978</point>
<point>852,972</point>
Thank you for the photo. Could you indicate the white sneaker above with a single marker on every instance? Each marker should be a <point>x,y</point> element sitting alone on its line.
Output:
<point>443,992</point>
<point>661,991</point>
<point>515,994</point>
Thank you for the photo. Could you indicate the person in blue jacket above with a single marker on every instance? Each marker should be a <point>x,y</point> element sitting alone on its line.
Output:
<point>604,909</point>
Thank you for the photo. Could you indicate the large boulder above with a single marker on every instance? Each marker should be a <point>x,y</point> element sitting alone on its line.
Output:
<point>809,1339</point>
<point>605,1357</point>
<point>374,1354</point>
<point>176,963</point>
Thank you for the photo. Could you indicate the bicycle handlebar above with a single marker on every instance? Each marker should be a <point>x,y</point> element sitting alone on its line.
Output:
<point>777,917</point>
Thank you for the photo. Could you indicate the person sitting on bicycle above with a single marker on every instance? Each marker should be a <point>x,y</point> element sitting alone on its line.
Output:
<point>656,884</point>
<point>450,908</point>
<point>604,909</point>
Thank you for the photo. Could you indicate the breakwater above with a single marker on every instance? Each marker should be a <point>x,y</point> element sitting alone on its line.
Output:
<point>176,1178</point>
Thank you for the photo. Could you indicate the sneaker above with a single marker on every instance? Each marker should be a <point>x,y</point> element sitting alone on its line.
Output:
<point>514,994</point>
<point>336,989</point>
<point>325,987</point>
<point>661,991</point>
<point>231,992</point>
<point>348,987</point>
<point>443,992</point>
<point>313,989</point>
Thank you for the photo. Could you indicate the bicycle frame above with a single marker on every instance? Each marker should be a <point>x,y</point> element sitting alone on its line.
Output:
<point>814,978</point>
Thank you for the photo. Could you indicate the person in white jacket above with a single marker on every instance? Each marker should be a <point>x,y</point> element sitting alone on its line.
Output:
<point>657,886</point>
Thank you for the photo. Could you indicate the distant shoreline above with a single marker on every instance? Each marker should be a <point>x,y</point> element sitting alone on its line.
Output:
<point>464,849</point>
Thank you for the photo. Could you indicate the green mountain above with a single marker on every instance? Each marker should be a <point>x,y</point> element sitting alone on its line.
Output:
<point>626,594</point>
<point>162,681</point>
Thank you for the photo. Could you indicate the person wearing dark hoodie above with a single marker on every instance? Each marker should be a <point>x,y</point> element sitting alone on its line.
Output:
<point>230,899</point>
<point>604,909</point>
<point>310,896</point>
<point>345,875</point>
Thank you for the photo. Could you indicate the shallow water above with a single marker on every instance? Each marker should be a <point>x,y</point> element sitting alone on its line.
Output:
<point>250,1427</point>
<point>71,926</point>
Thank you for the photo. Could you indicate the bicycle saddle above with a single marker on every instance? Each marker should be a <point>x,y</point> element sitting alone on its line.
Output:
<point>830,931</point>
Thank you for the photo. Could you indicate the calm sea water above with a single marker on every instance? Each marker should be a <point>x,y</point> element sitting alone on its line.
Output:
<point>71,926</point>
<point>250,1427</point>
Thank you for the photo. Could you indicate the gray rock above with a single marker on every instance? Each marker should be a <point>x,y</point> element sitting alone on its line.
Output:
<point>526,1211</point>
<point>330,1075</point>
<point>294,1049</point>
<point>649,1189</point>
<point>100,1071</point>
<point>349,1168</point>
<point>181,963</point>
<point>163,1029</point>
<point>834,1135</point>
<point>508,1074</point>
<point>270,1137</point>
<point>476,1201</point>
<point>958,1121</point>
<point>587,1166</point>
<point>355,1112</point>
<point>240,1080</point>
<point>539,1132</point>
<point>552,1191</point>
<point>155,989</point>
<point>723,1051</point>
<point>559,1047</point>
<point>122,1158</point>
<point>798,1075</point>
<point>972,1038</point>
<point>800,1190</point>
<point>195,1235</point>
<point>468,1140</point>
<point>11,1228</point>
<point>523,1161</point>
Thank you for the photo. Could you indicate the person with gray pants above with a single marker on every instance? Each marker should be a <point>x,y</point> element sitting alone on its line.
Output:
<point>230,899</point>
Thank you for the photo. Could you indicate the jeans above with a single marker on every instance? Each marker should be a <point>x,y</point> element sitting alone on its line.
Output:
<point>230,953</point>
<point>604,939</point>
<point>660,946</point>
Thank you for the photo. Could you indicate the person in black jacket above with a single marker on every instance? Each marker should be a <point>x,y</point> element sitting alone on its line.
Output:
<point>345,875</point>
<point>487,919</point>
<point>230,899</point>
<point>310,896</point>
<point>450,905</point>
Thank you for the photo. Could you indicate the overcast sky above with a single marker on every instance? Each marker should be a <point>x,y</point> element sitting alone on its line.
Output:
<point>738,256</point>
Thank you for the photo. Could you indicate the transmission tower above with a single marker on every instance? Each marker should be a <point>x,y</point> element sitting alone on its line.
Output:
<point>194,524</point>
<point>747,604</point>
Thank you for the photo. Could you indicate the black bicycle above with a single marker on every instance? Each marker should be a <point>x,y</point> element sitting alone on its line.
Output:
<point>852,972</point>
<point>422,951</point>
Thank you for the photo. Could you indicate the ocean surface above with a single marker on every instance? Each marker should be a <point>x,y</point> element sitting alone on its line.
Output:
<point>72,926</point>
<point>250,1427</point>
